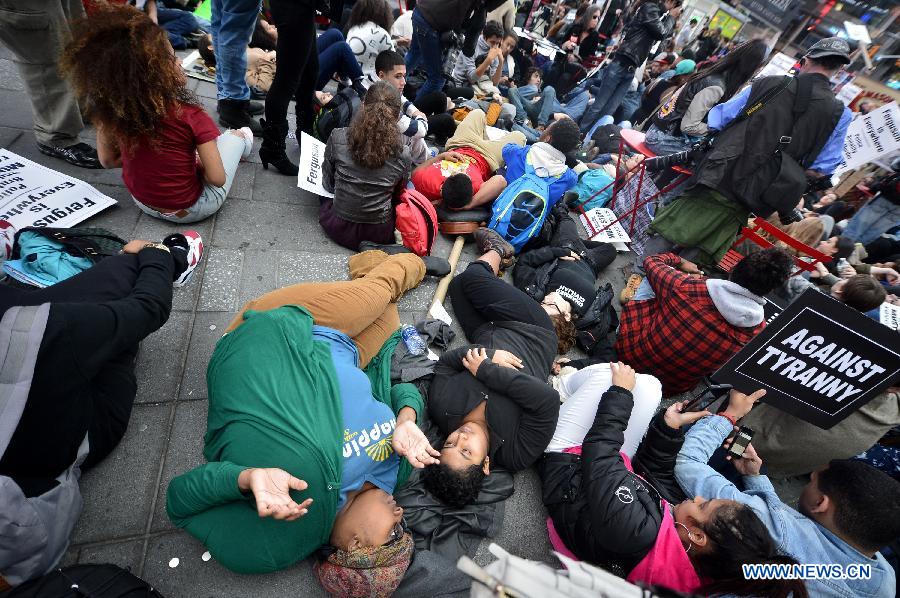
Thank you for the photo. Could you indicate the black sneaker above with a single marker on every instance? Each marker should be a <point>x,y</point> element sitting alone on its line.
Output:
<point>434,266</point>
<point>255,108</point>
<point>80,154</point>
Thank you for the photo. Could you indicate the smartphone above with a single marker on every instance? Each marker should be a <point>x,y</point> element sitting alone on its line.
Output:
<point>710,395</point>
<point>741,440</point>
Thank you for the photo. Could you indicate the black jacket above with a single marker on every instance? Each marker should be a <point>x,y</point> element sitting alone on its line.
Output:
<point>670,121</point>
<point>741,164</point>
<point>642,30</point>
<point>522,408</point>
<point>604,513</point>
<point>452,15</point>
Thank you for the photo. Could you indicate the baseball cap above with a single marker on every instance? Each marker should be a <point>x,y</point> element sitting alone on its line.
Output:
<point>663,57</point>
<point>685,67</point>
<point>830,46</point>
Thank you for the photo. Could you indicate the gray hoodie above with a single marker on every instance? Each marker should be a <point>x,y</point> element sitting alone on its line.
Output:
<point>737,305</point>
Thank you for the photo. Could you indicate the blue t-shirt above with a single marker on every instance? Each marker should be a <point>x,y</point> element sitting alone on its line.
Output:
<point>515,157</point>
<point>368,423</point>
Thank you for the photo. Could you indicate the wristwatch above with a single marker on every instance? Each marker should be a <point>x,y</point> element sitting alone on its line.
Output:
<point>157,246</point>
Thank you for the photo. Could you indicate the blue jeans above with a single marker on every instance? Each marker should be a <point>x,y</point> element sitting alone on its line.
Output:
<point>232,25</point>
<point>664,144</point>
<point>872,220</point>
<point>644,292</point>
<point>609,94</point>
<point>425,47</point>
<point>335,56</point>
<point>176,23</point>
<point>541,112</point>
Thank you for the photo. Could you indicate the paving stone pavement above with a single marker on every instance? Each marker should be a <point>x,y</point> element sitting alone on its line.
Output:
<point>266,236</point>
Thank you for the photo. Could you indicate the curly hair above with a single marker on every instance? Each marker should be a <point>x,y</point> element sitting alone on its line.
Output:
<point>124,72</point>
<point>373,136</point>
<point>452,487</point>
<point>763,271</point>
<point>566,333</point>
<point>564,135</point>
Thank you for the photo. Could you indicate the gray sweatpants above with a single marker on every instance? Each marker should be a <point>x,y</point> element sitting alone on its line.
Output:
<point>35,31</point>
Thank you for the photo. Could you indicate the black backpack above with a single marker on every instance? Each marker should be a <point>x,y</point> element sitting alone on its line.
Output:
<point>337,113</point>
<point>78,581</point>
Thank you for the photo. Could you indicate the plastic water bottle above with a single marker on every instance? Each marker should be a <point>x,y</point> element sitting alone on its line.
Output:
<point>842,263</point>
<point>414,341</point>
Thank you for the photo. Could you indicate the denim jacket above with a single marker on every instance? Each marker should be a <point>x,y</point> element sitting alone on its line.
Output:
<point>795,535</point>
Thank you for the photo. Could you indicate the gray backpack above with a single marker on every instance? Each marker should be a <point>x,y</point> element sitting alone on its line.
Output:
<point>34,531</point>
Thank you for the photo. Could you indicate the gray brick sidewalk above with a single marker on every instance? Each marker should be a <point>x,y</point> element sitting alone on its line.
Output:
<point>266,236</point>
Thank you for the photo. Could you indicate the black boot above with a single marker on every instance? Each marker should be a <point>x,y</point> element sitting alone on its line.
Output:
<point>272,149</point>
<point>233,114</point>
<point>434,266</point>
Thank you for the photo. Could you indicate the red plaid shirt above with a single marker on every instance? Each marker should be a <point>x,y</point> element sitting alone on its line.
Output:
<point>680,336</point>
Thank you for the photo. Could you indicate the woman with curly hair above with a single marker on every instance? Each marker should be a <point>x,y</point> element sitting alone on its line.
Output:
<point>365,166</point>
<point>132,87</point>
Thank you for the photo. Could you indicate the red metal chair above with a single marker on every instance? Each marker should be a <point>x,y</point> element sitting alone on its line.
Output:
<point>634,140</point>
<point>752,234</point>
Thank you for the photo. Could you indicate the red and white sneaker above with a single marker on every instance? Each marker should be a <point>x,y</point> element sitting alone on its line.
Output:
<point>194,255</point>
<point>7,237</point>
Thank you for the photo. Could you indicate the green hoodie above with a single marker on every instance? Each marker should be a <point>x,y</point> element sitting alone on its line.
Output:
<point>273,402</point>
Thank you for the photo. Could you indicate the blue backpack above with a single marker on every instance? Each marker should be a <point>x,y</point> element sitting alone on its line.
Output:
<point>521,209</point>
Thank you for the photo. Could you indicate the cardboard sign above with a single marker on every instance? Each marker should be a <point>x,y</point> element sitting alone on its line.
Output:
<point>597,218</point>
<point>34,195</point>
<point>819,360</point>
<point>889,315</point>
<point>312,155</point>
<point>870,137</point>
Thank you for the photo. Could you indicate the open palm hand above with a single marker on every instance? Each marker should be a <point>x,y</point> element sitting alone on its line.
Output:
<point>410,442</point>
<point>271,488</point>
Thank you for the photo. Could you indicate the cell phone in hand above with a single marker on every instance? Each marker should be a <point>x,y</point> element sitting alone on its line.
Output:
<point>711,394</point>
<point>741,440</point>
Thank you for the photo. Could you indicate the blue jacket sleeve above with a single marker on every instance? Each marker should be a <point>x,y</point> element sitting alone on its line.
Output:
<point>722,114</point>
<point>831,154</point>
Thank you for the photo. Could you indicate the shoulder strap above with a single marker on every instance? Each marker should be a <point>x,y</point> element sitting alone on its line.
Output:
<point>766,98</point>
<point>21,331</point>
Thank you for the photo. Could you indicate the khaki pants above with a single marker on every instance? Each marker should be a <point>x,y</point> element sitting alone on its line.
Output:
<point>471,133</point>
<point>505,15</point>
<point>365,308</point>
<point>260,68</point>
<point>35,31</point>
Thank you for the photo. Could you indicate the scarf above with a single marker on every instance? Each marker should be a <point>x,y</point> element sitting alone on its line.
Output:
<point>368,572</point>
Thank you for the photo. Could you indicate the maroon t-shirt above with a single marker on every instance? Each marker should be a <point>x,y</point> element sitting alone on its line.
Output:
<point>167,175</point>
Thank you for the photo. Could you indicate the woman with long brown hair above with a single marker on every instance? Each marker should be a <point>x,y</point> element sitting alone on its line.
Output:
<point>365,165</point>
<point>131,85</point>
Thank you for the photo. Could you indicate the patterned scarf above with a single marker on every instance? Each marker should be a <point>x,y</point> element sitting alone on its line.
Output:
<point>368,572</point>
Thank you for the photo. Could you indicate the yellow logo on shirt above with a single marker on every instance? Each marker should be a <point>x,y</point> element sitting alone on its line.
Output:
<point>381,450</point>
<point>449,168</point>
<point>374,441</point>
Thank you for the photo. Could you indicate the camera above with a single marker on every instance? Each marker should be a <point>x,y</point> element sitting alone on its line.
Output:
<point>791,217</point>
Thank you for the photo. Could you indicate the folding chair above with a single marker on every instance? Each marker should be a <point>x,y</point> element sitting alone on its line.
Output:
<point>634,140</point>
<point>752,234</point>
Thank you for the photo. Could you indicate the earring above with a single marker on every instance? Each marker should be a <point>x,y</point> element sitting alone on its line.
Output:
<point>689,534</point>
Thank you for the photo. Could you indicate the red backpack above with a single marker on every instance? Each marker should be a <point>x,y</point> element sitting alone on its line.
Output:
<point>417,221</point>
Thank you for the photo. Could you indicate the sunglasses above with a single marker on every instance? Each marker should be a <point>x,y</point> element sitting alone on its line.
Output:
<point>396,534</point>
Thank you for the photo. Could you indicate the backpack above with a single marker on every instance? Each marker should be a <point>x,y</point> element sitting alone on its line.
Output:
<point>594,189</point>
<point>417,221</point>
<point>337,113</point>
<point>608,138</point>
<point>96,581</point>
<point>93,243</point>
<point>520,211</point>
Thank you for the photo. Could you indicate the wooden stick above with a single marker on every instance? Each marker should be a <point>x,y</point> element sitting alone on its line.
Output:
<point>442,287</point>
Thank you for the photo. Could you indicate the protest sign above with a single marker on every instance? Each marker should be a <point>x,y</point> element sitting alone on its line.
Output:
<point>598,218</point>
<point>312,154</point>
<point>194,66</point>
<point>34,195</point>
<point>848,93</point>
<point>870,137</point>
<point>819,360</point>
<point>889,315</point>
<point>779,64</point>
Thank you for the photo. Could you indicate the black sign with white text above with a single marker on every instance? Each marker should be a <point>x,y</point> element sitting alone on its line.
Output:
<point>818,360</point>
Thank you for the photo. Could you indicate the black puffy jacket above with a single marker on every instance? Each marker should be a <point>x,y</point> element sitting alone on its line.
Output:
<point>606,514</point>
<point>646,27</point>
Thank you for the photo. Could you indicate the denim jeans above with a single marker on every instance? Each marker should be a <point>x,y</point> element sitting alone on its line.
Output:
<point>609,94</point>
<point>664,144</point>
<point>872,220</point>
<point>425,47</point>
<point>176,23</point>
<point>541,112</point>
<point>231,148</point>
<point>335,56</point>
<point>232,25</point>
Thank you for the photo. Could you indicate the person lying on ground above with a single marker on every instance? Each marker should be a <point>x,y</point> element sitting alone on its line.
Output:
<point>682,326</point>
<point>606,512</point>
<point>76,387</point>
<point>460,178</point>
<point>305,433</point>
<point>548,158</point>
<point>365,165</point>
<point>564,274</point>
<point>148,123</point>
<point>490,400</point>
<point>847,511</point>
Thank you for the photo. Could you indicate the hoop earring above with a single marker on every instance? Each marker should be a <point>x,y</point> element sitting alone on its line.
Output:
<point>690,537</point>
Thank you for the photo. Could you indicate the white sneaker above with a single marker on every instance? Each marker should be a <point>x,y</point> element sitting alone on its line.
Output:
<point>194,255</point>
<point>7,238</point>
<point>247,134</point>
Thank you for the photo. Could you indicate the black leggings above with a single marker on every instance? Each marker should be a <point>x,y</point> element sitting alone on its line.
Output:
<point>478,296</point>
<point>597,255</point>
<point>298,63</point>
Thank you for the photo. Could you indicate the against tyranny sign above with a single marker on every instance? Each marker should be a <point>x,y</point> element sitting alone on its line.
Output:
<point>818,360</point>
